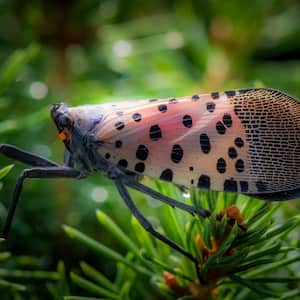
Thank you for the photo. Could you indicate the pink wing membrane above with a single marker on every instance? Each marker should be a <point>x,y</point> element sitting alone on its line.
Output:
<point>242,141</point>
<point>177,140</point>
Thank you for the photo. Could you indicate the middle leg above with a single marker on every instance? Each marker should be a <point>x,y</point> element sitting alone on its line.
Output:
<point>169,201</point>
<point>148,226</point>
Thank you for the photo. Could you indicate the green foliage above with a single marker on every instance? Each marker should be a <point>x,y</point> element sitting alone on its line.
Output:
<point>238,261</point>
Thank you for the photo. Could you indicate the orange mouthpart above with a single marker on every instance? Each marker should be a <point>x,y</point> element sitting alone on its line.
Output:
<point>62,136</point>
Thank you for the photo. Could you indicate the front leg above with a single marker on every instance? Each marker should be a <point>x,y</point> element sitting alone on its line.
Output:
<point>26,157</point>
<point>35,172</point>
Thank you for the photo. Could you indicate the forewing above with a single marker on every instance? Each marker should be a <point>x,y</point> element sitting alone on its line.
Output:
<point>244,141</point>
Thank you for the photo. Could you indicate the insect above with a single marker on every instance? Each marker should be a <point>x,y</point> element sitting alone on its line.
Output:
<point>244,141</point>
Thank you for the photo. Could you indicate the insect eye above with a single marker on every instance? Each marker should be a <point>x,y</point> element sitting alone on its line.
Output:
<point>65,120</point>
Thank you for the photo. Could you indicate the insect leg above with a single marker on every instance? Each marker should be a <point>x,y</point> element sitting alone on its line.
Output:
<point>156,195</point>
<point>35,172</point>
<point>148,226</point>
<point>174,203</point>
<point>25,157</point>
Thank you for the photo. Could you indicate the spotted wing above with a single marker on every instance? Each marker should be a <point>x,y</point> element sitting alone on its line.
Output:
<point>244,141</point>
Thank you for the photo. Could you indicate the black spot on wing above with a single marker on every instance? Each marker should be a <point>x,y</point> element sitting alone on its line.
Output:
<point>187,121</point>
<point>162,108</point>
<point>232,153</point>
<point>118,144</point>
<point>210,106</point>
<point>142,152</point>
<point>215,95</point>
<point>230,93</point>
<point>244,91</point>
<point>137,117</point>
<point>123,163</point>
<point>239,165</point>
<point>221,165</point>
<point>205,143</point>
<point>227,120</point>
<point>230,185</point>
<point>139,167</point>
<point>239,142</point>
<point>204,182</point>
<point>155,132</point>
<point>173,101</point>
<point>177,153</point>
<point>244,186</point>
<point>166,175</point>
<point>221,129</point>
<point>119,125</point>
<point>195,97</point>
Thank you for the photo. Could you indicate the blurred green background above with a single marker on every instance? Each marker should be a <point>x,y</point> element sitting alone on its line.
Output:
<point>84,52</point>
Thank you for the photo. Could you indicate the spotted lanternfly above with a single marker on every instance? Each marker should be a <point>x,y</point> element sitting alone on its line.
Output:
<point>244,141</point>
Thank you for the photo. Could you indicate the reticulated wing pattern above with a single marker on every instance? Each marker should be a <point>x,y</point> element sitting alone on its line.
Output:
<point>272,123</point>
